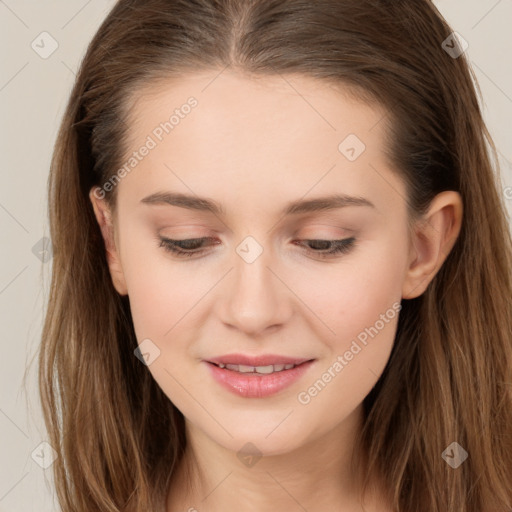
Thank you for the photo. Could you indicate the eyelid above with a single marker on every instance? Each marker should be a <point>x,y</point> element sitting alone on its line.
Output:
<point>340,231</point>
<point>339,246</point>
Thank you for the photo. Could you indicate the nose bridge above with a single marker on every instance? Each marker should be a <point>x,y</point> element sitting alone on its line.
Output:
<point>255,299</point>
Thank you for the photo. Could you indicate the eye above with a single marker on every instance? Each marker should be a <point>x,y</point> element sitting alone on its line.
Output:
<point>327,248</point>
<point>183,248</point>
<point>323,248</point>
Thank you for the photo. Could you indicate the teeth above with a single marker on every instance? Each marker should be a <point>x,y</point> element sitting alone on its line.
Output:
<point>256,369</point>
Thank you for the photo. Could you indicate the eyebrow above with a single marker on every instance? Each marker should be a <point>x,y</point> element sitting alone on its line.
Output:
<point>203,204</point>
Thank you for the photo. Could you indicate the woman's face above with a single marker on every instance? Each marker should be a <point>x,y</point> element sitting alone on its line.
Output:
<point>254,157</point>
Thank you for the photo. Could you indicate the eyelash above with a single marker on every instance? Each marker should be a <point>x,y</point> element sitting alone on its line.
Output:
<point>340,246</point>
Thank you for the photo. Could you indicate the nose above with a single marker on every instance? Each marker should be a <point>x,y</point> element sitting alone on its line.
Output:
<point>255,299</point>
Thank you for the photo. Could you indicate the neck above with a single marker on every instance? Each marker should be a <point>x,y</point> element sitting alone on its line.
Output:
<point>315,476</point>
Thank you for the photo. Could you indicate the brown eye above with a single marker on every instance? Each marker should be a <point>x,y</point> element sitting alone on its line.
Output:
<point>185,248</point>
<point>326,248</point>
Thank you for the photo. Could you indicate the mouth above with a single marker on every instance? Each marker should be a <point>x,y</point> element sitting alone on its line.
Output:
<point>259,361</point>
<point>258,370</point>
<point>258,380</point>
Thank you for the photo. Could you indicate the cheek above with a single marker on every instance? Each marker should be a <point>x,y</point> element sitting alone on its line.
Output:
<point>351,295</point>
<point>359,302</point>
<point>161,290</point>
<point>161,302</point>
<point>361,305</point>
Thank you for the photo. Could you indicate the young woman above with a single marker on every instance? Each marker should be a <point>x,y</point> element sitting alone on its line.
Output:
<point>282,266</point>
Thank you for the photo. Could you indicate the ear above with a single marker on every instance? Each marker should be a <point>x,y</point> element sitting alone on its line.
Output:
<point>432,240</point>
<point>104,218</point>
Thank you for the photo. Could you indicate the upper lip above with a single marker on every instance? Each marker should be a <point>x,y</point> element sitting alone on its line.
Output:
<point>261,360</point>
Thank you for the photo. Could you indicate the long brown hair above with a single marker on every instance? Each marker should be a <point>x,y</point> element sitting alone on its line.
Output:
<point>118,438</point>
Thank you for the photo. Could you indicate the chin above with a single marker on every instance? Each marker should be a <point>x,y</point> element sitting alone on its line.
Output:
<point>262,441</point>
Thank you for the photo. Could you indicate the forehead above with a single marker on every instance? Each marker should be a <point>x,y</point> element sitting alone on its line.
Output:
<point>228,100</point>
<point>269,133</point>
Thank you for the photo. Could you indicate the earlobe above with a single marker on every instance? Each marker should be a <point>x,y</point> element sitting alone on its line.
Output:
<point>433,238</point>
<point>104,218</point>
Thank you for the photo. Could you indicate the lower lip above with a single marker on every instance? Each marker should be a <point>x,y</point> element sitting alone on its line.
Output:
<point>260,385</point>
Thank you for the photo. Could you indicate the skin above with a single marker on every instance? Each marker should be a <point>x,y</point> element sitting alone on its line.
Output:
<point>254,145</point>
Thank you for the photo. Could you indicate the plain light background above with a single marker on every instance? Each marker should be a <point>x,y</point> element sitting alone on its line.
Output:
<point>33,94</point>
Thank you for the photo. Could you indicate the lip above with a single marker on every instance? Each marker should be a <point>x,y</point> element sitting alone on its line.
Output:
<point>261,360</point>
<point>250,385</point>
